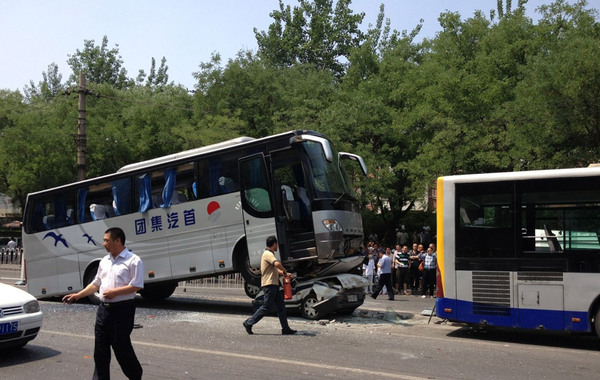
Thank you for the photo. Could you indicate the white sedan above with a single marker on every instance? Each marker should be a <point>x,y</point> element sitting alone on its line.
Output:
<point>20,317</point>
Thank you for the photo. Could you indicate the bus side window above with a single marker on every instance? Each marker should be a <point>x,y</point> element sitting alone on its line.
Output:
<point>144,192</point>
<point>99,212</point>
<point>227,185</point>
<point>38,216</point>
<point>201,185</point>
<point>185,180</point>
<point>121,193</point>
<point>99,201</point>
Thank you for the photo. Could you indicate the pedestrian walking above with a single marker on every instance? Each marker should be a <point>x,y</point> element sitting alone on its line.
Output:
<point>120,275</point>
<point>385,277</point>
<point>270,269</point>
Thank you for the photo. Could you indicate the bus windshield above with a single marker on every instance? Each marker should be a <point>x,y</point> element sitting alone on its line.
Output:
<point>327,177</point>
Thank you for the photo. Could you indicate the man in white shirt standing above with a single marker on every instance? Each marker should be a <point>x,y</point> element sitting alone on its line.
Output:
<point>12,244</point>
<point>120,275</point>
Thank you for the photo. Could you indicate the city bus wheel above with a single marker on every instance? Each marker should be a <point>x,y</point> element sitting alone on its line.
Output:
<point>251,290</point>
<point>158,292</point>
<point>89,276</point>
<point>307,309</point>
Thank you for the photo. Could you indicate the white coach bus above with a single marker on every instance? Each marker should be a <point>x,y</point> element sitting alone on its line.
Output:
<point>520,249</point>
<point>201,213</point>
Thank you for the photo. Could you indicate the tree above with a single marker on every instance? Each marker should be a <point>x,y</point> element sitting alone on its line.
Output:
<point>156,78</point>
<point>37,149</point>
<point>244,91</point>
<point>100,64</point>
<point>556,113</point>
<point>48,88</point>
<point>313,33</point>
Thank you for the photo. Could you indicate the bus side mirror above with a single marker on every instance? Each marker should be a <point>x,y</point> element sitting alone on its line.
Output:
<point>353,157</point>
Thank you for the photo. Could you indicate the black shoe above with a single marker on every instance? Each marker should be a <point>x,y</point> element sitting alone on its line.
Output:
<point>248,328</point>
<point>374,297</point>
<point>288,332</point>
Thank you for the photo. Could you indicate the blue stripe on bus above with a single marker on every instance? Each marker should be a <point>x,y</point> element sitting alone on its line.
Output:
<point>470,312</point>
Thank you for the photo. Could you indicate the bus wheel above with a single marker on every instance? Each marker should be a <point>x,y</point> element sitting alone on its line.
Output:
<point>249,273</point>
<point>251,290</point>
<point>89,276</point>
<point>597,322</point>
<point>158,292</point>
<point>307,309</point>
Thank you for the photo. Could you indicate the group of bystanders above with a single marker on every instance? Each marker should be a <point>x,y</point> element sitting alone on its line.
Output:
<point>402,271</point>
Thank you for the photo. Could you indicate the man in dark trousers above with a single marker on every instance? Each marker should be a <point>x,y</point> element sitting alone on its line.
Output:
<point>385,276</point>
<point>120,275</point>
<point>271,269</point>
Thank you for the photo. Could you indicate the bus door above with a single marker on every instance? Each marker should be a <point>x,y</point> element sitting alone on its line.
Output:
<point>292,206</point>
<point>257,210</point>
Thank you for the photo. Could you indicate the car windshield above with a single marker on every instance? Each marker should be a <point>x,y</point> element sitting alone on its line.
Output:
<point>328,180</point>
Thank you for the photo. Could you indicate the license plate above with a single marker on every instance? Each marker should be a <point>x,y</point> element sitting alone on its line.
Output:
<point>9,327</point>
<point>352,298</point>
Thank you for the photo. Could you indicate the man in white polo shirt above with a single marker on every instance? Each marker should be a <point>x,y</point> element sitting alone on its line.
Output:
<point>120,275</point>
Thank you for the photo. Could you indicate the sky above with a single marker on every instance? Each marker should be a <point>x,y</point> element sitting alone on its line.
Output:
<point>36,33</point>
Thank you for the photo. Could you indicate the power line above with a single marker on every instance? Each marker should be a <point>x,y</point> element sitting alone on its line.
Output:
<point>121,99</point>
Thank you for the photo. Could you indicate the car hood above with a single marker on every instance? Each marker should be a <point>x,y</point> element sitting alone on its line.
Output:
<point>9,295</point>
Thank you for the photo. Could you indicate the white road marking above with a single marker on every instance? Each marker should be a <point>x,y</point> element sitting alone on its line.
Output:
<point>253,357</point>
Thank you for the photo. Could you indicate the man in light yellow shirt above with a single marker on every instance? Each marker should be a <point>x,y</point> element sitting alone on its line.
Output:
<point>271,269</point>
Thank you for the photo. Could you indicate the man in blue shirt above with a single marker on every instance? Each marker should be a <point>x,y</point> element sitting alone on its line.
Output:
<point>385,276</point>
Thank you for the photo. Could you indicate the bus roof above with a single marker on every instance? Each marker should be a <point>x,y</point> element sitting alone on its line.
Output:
<point>181,155</point>
<point>184,154</point>
<point>524,175</point>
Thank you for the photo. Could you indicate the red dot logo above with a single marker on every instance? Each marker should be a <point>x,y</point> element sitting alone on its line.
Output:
<point>212,207</point>
<point>214,211</point>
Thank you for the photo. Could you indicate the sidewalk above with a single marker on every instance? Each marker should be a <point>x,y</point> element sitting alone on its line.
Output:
<point>10,273</point>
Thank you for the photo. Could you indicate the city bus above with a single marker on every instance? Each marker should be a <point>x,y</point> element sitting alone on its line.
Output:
<point>520,249</point>
<point>201,213</point>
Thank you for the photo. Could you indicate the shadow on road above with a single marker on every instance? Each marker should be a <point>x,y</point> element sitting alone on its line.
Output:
<point>540,338</point>
<point>28,354</point>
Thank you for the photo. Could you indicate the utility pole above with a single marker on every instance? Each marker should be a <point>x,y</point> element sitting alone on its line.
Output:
<point>81,138</point>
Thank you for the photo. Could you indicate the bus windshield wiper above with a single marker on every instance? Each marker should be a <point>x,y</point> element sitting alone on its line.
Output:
<point>338,199</point>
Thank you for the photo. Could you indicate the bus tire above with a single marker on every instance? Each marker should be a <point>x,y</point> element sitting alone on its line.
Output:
<point>89,276</point>
<point>158,292</point>
<point>251,289</point>
<point>306,307</point>
<point>597,322</point>
<point>242,265</point>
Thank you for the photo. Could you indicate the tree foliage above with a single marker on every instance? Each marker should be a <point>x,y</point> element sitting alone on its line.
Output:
<point>100,64</point>
<point>313,33</point>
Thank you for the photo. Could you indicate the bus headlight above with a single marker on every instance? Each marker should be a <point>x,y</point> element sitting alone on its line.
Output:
<point>332,225</point>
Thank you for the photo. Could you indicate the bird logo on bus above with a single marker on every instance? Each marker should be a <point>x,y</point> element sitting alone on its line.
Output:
<point>57,238</point>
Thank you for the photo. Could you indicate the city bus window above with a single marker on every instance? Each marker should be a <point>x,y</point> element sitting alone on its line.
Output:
<point>484,220</point>
<point>557,221</point>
